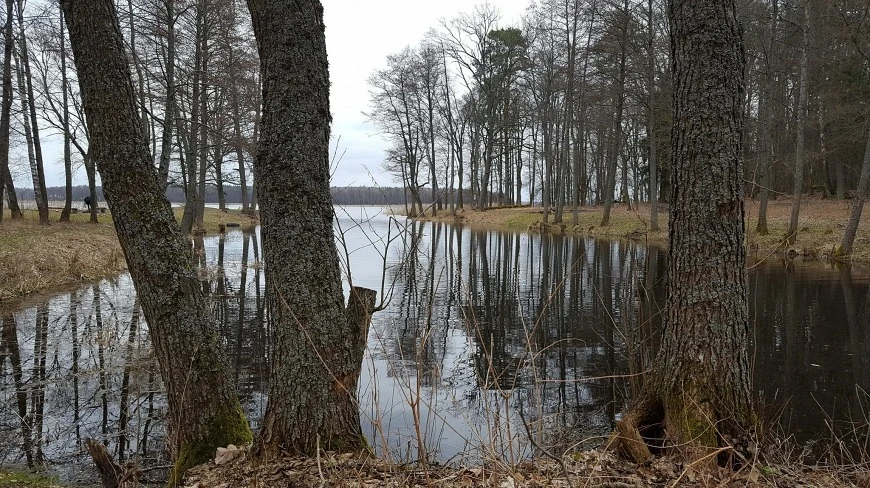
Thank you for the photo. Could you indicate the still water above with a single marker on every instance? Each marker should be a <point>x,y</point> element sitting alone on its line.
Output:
<point>487,338</point>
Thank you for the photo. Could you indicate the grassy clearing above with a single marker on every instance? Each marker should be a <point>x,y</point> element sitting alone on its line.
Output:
<point>35,257</point>
<point>19,479</point>
<point>821,226</point>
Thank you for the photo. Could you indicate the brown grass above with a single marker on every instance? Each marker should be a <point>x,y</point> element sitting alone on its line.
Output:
<point>576,469</point>
<point>36,258</point>
<point>821,226</point>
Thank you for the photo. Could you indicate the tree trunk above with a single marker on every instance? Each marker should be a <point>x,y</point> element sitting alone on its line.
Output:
<point>857,204</point>
<point>204,412</point>
<point>699,389</point>
<point>610,185</point>
<point>318,344</point>
<point>37,175</point>
<point>203,118</point>
<point>5,116</point>
<point>799,151</point>
<point>91,172</point>
<point>188,218</point>
<point>767,152</point>
<point>31,126</point>
<point>169,114</point>
<point>67,150</point>
<point>650,121</point>
<point>237,145</point>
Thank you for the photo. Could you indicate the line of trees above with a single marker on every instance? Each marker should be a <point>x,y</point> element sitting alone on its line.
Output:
<point>565,108</point>
<point>572,106</point>
<point>232,194</point>
<point>197,82</point>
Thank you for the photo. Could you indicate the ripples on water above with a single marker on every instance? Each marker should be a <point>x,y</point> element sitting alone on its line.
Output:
<point>492,331</point>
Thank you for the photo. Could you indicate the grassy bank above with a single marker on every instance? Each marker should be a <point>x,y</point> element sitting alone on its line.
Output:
<point>36,258</point>
<point>10,478</point>
<point>821,226</point>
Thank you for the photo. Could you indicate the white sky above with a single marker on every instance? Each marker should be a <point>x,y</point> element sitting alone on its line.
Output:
<point>359,36</point>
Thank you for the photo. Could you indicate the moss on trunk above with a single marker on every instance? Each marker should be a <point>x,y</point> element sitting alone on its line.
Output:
<point>228,427</point>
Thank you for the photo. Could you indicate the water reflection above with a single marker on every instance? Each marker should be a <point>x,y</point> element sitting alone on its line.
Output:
<point>488,337</point>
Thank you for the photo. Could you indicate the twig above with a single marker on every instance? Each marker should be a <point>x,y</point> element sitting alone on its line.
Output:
<point>558,459</point>
<point>319,470</point>
<point>714,453</point>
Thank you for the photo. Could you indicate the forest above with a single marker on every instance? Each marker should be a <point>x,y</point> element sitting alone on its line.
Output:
<point>232,194</point>
<point>701,109</point>
<point>572,106</point>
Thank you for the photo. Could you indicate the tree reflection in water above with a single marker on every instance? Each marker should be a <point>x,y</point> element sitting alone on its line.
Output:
<point>483,329</point>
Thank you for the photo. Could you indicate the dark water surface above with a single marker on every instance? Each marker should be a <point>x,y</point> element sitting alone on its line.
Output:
<point>488,333</point>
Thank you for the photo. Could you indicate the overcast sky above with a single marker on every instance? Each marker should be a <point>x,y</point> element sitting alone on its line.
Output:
<point>359,36</point>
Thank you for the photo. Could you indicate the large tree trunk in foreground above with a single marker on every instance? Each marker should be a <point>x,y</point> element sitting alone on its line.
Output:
<point>204,412</point>
<point>318,344</point>
<point>699,389</point>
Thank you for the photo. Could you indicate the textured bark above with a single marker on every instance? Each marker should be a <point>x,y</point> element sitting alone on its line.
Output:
<point>204,412</point>
<point>318,345</point>
<point>700,384</point>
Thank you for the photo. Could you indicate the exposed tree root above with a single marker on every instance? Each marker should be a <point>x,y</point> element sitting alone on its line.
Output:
<point>640,430</point>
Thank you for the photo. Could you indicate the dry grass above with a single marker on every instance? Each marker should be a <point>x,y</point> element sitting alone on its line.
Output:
<point>821,225</point>
<point>36,258</point>
<point>589,468</point>
<point>10,478</point>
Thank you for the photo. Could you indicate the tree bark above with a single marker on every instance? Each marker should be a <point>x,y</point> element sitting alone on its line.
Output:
<point>5,116</point>
<point>699,389</point>
<point>318,345</point>
<point>204,412</point>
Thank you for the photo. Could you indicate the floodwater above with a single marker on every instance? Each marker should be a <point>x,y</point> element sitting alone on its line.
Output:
<point>494,336</point>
